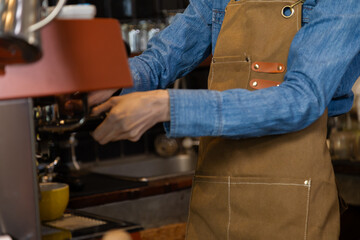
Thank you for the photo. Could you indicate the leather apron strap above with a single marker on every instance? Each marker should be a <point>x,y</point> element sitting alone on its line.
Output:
<point>272,187</point>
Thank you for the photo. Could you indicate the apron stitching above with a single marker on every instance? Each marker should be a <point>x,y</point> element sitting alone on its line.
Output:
<point>307,209</point>
<point>234,3</point>
<point>228,227</point>
<point>254,183</point>
<point>231,62</point>
<point>249,72</point>
<point>280,184</point>
<point>188,218</point>
<point>297,19</point>
<point>212,76</point>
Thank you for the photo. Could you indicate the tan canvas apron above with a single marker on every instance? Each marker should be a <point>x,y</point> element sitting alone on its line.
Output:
<point>273,187</point>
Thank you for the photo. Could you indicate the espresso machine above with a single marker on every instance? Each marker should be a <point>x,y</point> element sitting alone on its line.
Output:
<point>40,61</point>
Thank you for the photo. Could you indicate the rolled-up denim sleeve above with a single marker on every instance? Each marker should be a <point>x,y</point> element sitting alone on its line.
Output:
<point>323,64</point>
<point>175,51</point>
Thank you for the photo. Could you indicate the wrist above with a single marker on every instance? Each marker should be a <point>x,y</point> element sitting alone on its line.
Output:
<point>163,105</point>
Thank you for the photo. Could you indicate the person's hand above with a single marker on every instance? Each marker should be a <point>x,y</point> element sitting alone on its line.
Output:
<point>131,115</point>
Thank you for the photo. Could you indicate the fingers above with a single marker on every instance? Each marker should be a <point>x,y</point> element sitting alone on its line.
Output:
<point>104,107</point>
<point>134,134</point>
<point>105,131</point>
<point>114,130</point>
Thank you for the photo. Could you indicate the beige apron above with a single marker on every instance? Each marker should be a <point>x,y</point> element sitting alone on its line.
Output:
<point>272,187</point>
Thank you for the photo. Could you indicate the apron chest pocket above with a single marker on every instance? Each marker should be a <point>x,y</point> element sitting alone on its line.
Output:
<point>249,208</point>
<point>229,73</point>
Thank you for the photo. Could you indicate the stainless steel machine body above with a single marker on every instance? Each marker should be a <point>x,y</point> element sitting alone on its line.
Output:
<point>16,39</point>
<point>19,212</point>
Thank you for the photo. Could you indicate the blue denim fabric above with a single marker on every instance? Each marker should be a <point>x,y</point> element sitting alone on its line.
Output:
<point>323,64</point>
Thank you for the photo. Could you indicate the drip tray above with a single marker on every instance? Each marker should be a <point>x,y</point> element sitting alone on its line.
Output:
<point>76,224</point>
<point>148,168</point>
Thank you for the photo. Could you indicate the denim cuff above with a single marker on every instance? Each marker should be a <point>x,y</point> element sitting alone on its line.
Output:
<point>194,113</point>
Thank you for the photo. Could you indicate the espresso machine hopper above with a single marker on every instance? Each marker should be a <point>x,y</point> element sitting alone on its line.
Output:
<point>75,56</point>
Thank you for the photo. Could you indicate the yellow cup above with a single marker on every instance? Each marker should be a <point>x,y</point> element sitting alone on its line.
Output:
<point>54,200</point>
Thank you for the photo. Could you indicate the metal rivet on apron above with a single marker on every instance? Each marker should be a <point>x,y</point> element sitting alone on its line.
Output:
<point>285,9</point>
<point>213,60</point>
<point>306,182</point>
<point>290,8</point>
<point>280,68</point>
<point>256,66</point>
<point>254,84</point>
<point>278,85</point>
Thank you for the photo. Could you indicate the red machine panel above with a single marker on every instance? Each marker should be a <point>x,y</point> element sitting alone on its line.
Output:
<point>78,55</point>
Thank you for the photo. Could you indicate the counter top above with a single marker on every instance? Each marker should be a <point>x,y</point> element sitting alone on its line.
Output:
<point>134,191</point>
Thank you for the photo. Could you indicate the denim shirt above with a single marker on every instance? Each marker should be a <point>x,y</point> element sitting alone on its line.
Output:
<point>323,64</point>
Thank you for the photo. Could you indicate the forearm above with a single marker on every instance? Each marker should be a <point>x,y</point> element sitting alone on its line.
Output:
<point>239,113</point>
